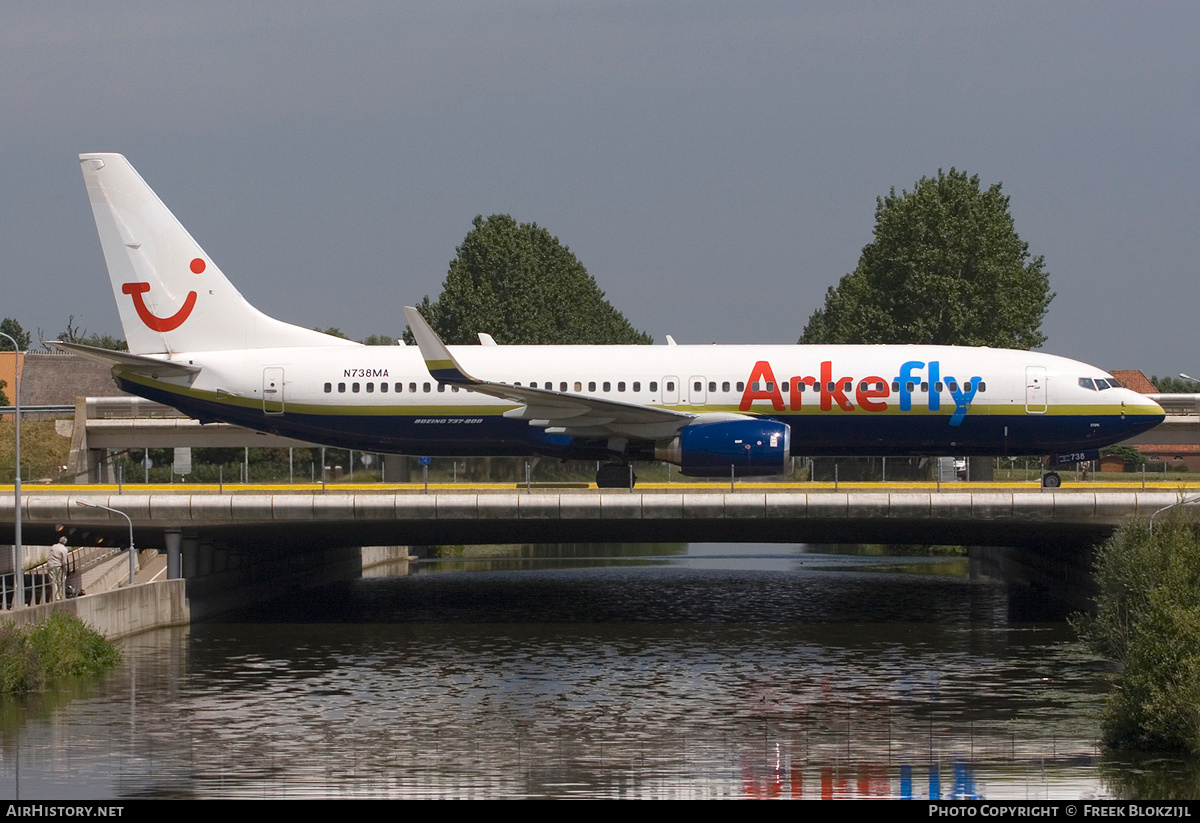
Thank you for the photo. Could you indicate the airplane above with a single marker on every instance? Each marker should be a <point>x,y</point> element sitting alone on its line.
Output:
<point>712,410</point>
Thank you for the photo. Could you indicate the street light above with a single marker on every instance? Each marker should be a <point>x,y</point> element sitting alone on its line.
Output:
<point>1183,502</point>
<point>18,571</point>
<point>132,554</point>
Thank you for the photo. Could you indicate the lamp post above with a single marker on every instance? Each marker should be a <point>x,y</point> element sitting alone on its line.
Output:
<point>132,554</point>
<point>1182,502</point>
<point>18,571</point>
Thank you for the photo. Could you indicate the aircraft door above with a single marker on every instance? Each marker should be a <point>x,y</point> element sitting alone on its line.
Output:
<point>272,389</point>
<point>670,390</point>
<point>696,392</point>
<point>1035,390</point>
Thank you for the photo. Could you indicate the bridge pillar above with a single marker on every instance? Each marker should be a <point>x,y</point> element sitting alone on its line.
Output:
<point>174,540</point>
<point>198,563</point>
<point>191,546</point>
<point>981,469</point>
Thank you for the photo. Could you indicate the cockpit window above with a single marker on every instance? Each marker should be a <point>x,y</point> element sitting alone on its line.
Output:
<point>1087,383</point>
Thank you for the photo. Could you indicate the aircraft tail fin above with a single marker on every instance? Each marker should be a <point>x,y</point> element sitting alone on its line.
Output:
<point>171,296</point>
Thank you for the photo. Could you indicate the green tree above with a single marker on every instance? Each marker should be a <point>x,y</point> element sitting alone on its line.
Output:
<point>946,267</point>
<point>1148,621</point>
<point>3,397</point>
<point>379,340</point>
<point>332,331</point>
<point>72,334</point>
<point>13,329</point>
<point>1175,385</point>
<point>516,282</point>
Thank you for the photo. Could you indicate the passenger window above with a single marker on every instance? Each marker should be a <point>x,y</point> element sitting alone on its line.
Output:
<point>383,387</point>
<point>896,386</point>
<point>741,386</point>
<point>341,387</point>
<point>670,385</point>
<point>591,385</point>
<point>937,386</point>
<point>328,388</point>
<point>412,387</point>
<point>950,384</point>
<point>712,386</point>
<point>427,387</point>
<point>982,386</point>
<point>562,386</point>
<point>924,386</point>
<point>620,387</point>
<point>354,387</point>
<point>653,385</point>
<point>910,386</point>
<point>370,388</point>
<point>754,386</point>
<point>725,386</point>
<point>578,386</point>
<point>607,386</point>
<point>637,386</point>
<point>697,386</point>
<point>441,387</point>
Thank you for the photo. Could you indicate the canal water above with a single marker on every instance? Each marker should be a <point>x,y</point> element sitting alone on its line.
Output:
<point>640,671</point>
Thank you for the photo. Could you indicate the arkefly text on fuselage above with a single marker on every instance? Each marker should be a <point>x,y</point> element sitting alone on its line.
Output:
<point>197,345</point>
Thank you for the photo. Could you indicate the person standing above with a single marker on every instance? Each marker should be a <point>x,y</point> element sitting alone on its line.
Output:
<point>57,563</point>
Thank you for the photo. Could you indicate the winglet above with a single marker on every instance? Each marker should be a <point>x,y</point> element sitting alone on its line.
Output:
<point>438,359</point>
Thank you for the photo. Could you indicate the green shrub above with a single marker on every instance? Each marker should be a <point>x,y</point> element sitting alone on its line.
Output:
<point>1148,620</point>
<point>60,646</point>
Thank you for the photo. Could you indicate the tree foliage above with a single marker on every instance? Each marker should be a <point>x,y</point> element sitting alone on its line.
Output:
<point>14,330</point>
<point>1147,619</point>
<point>516,282</point>
<point>946,267</point>
<point>4,397</point>
<point>1175,385</point>
<point>73,334</point>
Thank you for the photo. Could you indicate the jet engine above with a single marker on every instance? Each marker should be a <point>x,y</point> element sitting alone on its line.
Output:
<point>752,447</point>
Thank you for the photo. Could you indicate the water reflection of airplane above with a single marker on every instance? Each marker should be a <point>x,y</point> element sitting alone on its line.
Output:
<point>196,344</point>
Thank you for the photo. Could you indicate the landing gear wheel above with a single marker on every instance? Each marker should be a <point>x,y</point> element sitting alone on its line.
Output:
<point>1051,480</point>
<point>615,476</point>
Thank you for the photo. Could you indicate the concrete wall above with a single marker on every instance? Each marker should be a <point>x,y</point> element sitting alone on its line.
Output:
<point>120,613</point>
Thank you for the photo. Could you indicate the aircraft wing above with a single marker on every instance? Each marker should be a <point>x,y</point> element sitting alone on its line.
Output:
<point>557,412</point>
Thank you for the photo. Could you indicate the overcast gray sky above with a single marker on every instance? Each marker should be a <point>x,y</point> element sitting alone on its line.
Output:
<point>713,165</point>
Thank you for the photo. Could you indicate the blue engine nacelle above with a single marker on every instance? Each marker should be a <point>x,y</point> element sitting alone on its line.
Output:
<point>750,446</point>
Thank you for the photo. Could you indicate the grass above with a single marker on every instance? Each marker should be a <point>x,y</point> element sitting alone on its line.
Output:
<point>61,646</point>
<point>43,450</point>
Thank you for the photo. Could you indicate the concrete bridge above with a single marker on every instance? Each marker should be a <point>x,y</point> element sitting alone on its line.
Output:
<point>284,519</point>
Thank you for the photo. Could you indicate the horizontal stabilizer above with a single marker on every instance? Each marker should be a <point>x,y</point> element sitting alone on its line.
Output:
<point>137,363</point>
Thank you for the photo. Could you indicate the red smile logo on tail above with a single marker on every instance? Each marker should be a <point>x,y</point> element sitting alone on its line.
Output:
<point>136,290</point>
